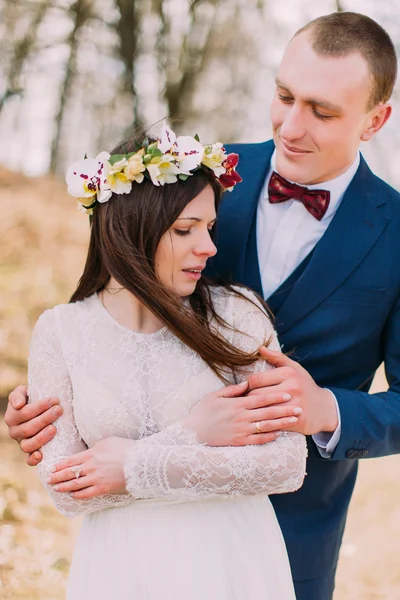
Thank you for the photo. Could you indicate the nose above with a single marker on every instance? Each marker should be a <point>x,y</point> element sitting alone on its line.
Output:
<point>205,247</point>
<point>292,127</point>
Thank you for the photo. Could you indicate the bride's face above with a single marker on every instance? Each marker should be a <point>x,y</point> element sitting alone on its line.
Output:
<point>185,248</point>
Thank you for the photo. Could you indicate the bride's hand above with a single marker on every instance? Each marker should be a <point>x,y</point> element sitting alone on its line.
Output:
<point>94,472</point>
<point>228,417</point>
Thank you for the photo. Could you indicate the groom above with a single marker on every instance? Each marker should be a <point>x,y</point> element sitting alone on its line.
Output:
<point>325,253</point>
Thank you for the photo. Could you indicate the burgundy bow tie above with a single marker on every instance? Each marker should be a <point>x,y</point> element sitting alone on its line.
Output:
<point>315,201</point>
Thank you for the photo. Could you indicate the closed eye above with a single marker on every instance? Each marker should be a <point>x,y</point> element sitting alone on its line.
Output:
<point>182,232</point>
<point>285,98</point>
<point>321,116</point>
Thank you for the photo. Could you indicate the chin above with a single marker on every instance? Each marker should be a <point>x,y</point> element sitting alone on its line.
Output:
<point>292,171</point>
<point>184,290</point>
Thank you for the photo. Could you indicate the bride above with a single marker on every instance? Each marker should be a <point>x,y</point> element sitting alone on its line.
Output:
<point>136,359</point>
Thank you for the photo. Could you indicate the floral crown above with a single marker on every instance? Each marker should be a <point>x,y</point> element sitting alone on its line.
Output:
<point>94,180</point>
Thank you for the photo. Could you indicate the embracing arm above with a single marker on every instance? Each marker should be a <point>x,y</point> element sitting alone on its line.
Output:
<point>48,376</point>
<point>173,464</point>
<point>192,471</point>
<point>370,423</point>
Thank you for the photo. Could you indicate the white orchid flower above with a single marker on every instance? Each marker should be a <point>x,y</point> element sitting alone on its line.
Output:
<point>168,139</point>
<point>163,170</point>
<point>186,149</point>
<point>115,180</point>
<point>86,177</point>
<point>190,153</point>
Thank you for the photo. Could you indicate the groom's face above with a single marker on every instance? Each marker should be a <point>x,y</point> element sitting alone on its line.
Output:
<point>319,112</point>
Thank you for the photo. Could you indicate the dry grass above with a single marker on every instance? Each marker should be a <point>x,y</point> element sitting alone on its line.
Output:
<point>42,247</point>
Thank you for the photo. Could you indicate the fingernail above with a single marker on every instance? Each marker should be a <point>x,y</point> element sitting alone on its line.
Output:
<point>292,419</point>
<point>56,411</point>
<point>297,410</point>
<point>53,469</point>
<point>53,402</point>
<point>49,480</point>
<point>56,488</point>
<point>278,434</point>
<point>51,430</point>
<point>287,396</point>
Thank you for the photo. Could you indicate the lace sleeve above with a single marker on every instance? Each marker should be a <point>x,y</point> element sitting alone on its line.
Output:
<point>48,376</point>
<point>172,464</point>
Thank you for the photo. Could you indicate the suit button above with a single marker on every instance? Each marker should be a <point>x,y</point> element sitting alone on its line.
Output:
<point>354,453</point>
<point>351,453</point>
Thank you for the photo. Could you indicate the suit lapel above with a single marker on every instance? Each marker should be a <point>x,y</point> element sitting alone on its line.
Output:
<point>352,233</point>
<point>238,209</point>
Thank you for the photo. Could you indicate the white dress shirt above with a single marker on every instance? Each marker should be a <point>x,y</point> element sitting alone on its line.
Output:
<point>286,234</point>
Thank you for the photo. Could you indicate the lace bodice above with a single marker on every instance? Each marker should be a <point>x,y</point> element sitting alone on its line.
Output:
<point>112,381</point>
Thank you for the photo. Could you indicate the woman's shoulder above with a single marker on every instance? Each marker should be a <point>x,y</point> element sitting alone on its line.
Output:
<point>66,314</point>
<point>236,299</point>
<point>249,324</point>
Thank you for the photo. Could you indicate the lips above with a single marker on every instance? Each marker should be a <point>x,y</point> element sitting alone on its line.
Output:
<point>197,269</point>
<point>293,148</point>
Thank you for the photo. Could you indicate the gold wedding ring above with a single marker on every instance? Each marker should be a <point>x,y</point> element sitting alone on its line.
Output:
<point>258,426</point>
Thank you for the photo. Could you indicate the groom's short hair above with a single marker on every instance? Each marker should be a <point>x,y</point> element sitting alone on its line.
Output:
<point>342,33</point>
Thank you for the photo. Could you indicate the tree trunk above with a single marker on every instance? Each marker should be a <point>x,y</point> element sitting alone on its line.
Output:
<point>128,33</point>
<point>81,11</point>
<point>22,50</point>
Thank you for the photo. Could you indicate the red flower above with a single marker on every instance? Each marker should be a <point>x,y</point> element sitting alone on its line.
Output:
<point>230,178</point>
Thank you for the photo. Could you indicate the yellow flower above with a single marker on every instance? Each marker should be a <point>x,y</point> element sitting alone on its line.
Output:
<point>135,167</point>
<point>213,158</point>
<point>162,169</point>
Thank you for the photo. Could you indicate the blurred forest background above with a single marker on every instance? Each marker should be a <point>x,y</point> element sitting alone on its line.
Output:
<point>75,78</point>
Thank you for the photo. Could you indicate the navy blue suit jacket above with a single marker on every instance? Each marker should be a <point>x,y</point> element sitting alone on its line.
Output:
<point>341,319</point>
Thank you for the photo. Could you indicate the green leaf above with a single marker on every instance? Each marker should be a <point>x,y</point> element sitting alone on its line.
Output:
<point>183,177</point>
<point>196,137</point>
<point>90,205</point>
<point>115,158</point>
<point>85,157</point>
<point>146,143</point>
<point>155,152</point>
<point>147,158</point>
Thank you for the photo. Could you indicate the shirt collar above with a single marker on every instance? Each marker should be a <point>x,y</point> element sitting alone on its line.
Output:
<point>336,186</point>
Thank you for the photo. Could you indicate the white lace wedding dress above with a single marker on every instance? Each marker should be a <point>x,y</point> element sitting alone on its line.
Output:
<point>197,523</point>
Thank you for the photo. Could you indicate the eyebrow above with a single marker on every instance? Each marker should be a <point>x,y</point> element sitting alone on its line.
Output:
<point>194,219</point>
<point>321,103</point>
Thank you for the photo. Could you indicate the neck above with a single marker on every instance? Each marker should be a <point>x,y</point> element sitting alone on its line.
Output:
<point>127,309</point>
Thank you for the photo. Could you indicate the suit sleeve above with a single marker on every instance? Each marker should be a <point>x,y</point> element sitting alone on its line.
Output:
<point>371,422</point>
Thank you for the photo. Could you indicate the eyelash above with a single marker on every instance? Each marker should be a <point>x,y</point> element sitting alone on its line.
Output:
<point>183,232</point>
<point>288,99</point>
<point>322,117</point>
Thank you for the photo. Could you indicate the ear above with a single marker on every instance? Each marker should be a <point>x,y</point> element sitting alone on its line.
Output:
<point>376,120</point>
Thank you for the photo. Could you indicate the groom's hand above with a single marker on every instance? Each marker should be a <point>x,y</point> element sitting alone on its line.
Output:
<point>31,424</point>
<point>319,412</point>
<point>230,417</point>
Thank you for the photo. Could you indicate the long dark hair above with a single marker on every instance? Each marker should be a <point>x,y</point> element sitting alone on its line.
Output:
<point>125,233</point>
